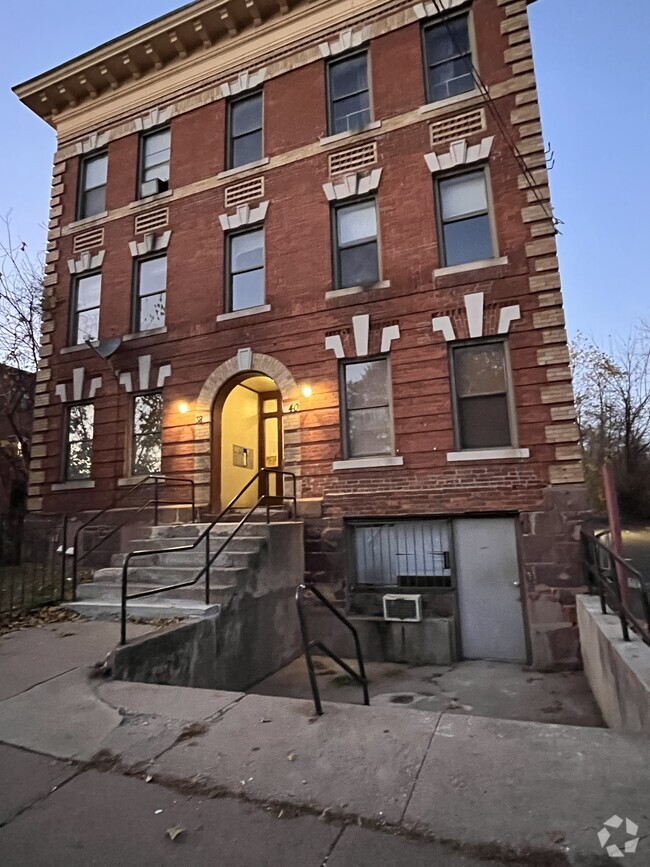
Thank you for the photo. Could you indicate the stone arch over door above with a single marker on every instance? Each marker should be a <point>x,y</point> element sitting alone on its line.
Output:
<point>254,362</point>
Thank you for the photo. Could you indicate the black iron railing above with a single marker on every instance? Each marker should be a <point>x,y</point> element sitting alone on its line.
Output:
<point>309,645</point>
<point>153,502</point>
<point>210,556</point>
<point>618,584</point>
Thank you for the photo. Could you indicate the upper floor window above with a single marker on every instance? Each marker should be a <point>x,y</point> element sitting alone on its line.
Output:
<point>356,254</point>
<point>78,442</point>
<point>448,58</point>
<point>465,226</point>
<point>245,277</point>
<point>150,293</point>
<point>245,136</point>
<point>348,93</point>
<point>482,401</point>
<point>155,153</point>
<point>84,321</point>
<point>366,408</point>
<point>146,439</point>
<point>93,172</point>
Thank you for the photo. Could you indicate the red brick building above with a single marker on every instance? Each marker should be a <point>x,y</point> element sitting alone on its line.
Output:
<point>321,235</point>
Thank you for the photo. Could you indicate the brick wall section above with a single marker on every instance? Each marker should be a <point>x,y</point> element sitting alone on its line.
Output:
<point>299,273</point>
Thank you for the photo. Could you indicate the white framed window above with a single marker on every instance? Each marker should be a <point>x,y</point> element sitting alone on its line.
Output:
<point>366,408</point>
<point>356,246</point>
<point>78,442</point>
<point>465,225</point>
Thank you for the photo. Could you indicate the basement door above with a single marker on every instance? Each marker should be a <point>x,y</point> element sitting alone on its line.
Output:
<point>488,587</point>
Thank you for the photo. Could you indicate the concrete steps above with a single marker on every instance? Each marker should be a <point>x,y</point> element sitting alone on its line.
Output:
<point>144,609</point>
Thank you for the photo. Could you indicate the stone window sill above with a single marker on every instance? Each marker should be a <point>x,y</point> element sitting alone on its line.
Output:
<point>246,168</point>
<point>356,290</point>
<point>73,486</point>
<point>488,455</point>
<point>128,481</point>
<point>87,221</point>
<point>350,133</point>
<point>452,100</point>
<point>471,266</point>
<point>247,311</point>
<point>67,350</point>
<point>151,332</point>
<point>157,197</point>
<point>374,462</point>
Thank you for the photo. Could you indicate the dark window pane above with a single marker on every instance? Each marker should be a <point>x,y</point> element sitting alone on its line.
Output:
<point>246,115</point>
<point>349,76</point>
<point>468,241</point>
<point>152,312</point>
<point>447,40</point>
<point>451,79</point>
<point>350,113</point>
<point>247,149</point>
<point>484,422</point>
<point>369,432</point>
<point>480,370</point>
<point>366,384</point>
<point>147,433</point>
<point>153,275</point>
<point>247,290</point>
<point>359,266</point>
<point>93,203</point>
<point>247,251</point>
<point>89,291</point>
<point>79,461</point>
<point>87,326</point>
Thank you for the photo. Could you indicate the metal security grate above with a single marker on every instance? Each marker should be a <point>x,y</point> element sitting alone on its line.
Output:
<point>246,191</point>
<point>151,220</point>
<point>459,126</point>
<point>403,554</point>
<point>88,240</point>
<point>353,159</point>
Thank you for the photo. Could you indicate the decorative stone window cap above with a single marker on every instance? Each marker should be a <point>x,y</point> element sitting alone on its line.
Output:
<point>354,184</point>
<point>244,216</point>
<point>474,309</point>
<point>245,81</point>
<point>430,9</point>
<point>153,118</point>
<point>459,154</point>
<point>86,262</point>
<point>488,454</point>
<point>145,379</point>
<point>361,331</point>
<point>346,40</point>
<point>151,243</point>
<point>78,392</point>
<point>376,461</point>
<point>93,142</point>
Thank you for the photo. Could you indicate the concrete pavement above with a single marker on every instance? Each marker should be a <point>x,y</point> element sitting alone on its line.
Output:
<point>480,789</point>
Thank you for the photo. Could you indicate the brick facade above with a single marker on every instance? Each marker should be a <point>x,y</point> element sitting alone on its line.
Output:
<point>543,490</point>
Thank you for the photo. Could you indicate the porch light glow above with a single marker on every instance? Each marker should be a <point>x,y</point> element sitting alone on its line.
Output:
<point>183,407</point>
<point>307,391</point>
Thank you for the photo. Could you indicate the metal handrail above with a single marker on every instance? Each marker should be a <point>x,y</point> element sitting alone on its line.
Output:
<point>156,478</point>
<point>205,535</point>
<point>359,676</point>
<point>610,590</point>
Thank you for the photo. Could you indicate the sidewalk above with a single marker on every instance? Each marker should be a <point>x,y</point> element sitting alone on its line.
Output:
<point>257,780</point>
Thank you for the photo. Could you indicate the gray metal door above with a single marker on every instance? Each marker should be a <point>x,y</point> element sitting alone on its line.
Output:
<point>489,598</point>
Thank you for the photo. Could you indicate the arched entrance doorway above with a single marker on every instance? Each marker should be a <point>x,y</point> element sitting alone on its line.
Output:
<point>247,436</point>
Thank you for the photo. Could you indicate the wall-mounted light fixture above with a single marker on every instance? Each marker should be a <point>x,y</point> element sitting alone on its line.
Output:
<point>183,407</point>
<point>307,391</point>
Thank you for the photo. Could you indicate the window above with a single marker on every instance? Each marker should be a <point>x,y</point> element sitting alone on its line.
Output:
<point>85,311</point>
<point>356,249</point>
<point>464,213</point>
<point>146,443</point>
<point>93,172</point>
<point>150,293</point>
<point>482,405</point>
<point>154,162</point>
<point>78,445</point>
<point>245,270</point>
<point>245,140</point>
<point>348,94</point>
<point>448,59</point>
<point>366,409</point>
<point>402,554</point>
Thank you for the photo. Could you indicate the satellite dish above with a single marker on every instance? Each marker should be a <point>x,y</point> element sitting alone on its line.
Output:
<point>106,348</point>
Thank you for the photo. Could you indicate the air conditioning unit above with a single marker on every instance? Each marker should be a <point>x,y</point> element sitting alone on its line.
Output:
<point>405,608</point>
<point>153,187</point>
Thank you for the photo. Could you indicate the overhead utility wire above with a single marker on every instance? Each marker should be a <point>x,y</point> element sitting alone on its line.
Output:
<point>485,94</point>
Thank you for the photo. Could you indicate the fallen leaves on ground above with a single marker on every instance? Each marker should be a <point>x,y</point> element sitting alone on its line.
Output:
<point>175,832</point>
<point>50,614</point>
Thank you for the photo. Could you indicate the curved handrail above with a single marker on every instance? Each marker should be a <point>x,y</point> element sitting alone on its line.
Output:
<point>204,536</point>
<point>156,478</point>
<point>359,676</point>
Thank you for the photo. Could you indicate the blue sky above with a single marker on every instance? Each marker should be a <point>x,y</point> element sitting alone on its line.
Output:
<point>593,70</point>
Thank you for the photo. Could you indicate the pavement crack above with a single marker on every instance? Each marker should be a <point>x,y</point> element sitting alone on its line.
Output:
<point>419,771</point>
<point>332,847</point>
<point>40,683</point>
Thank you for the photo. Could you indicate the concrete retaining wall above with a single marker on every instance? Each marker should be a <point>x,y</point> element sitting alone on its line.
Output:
<point>618,671</point>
